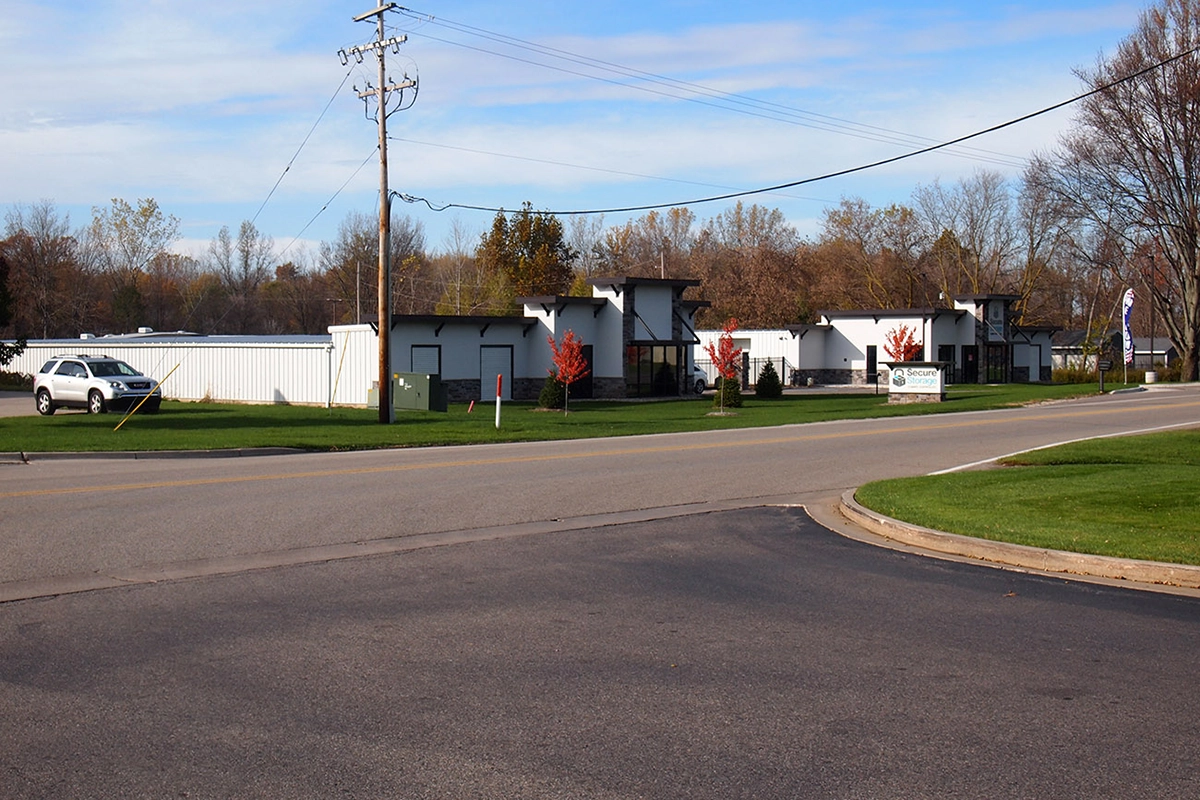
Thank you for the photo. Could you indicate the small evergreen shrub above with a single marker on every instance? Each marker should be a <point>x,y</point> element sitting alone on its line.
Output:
<point>768,386</point>
<point>553,394</point>
<point>728,393</point>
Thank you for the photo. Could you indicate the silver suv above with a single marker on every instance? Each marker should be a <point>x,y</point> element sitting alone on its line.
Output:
<point>97,383</point>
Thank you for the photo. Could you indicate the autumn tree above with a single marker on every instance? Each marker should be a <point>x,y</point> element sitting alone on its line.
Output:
<point>162,292</point>
<point>530,250</point>
<point>1128,167</point>
<point>49,287</point>
<point>901,344</point>
<point>6,299</point>
<point>124,240</point>
<point>569,362</point>
<point>656,245</point>
<point>747,261</point>
<point>415,289</point>
<point>872,256</point>
<point>296,299</point>
<point>726,359</point>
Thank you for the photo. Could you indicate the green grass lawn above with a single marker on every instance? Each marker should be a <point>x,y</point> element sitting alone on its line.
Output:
<point>186,426</point>
<point>1135,497</point>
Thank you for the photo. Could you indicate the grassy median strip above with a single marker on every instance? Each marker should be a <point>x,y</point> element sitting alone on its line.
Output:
<point>209,426</point>
<point>1132,497</point>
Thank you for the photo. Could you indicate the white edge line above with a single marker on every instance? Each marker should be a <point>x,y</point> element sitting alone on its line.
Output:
<point>974,464</point>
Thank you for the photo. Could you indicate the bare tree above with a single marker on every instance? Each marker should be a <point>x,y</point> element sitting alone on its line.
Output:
<point>350,264</point>
<point>586,238</point>
<point>415,289</point>
<point>1129,167</point>
<point>1044,239</point>
<point>978,213</point>
<point>243,266</point>
<point>468,286</point>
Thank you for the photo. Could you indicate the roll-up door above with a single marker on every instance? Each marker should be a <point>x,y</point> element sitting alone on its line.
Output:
<point>427,359</point>
<point>495,360</point>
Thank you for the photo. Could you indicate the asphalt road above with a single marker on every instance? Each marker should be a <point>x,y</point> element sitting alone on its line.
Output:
<point>745,654</point>
<point>286,627</point>
<point>127,518</point>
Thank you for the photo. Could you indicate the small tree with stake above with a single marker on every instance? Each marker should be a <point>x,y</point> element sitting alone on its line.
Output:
<point>725,357</point>
<point>569,363</point>
<point>901,345</point>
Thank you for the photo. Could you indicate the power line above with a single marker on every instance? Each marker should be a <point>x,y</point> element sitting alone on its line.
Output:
<point>729,101</point>
<point>605,170</point>
<point>327,202</point>
<point>828,175</point>
<point>301,147</point>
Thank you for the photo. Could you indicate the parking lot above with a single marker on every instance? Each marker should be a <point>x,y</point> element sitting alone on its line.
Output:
<point>16,404</point>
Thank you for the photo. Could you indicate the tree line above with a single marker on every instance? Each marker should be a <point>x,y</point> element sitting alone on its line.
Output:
<point>1116,205</point>
<point>978,236</point>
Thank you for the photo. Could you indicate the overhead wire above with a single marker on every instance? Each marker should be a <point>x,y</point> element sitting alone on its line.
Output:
<point>330,200</point>
<point>738,103</point>
<point>836,173</point>
<point>549,162</point>
<point>308,136</point>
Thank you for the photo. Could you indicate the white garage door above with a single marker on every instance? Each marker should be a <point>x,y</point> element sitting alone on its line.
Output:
<point>495,360</point>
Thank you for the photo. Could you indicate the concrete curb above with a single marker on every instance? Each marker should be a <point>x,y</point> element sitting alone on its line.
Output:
<point>1015,555</point>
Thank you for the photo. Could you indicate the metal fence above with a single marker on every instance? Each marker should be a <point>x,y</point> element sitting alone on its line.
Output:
<point>750,370</point>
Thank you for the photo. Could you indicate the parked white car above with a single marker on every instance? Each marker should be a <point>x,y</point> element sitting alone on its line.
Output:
<point>97,383</point>
<point>699,379</point>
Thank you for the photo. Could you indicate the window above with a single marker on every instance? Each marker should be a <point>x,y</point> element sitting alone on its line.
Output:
<point>652,370</point>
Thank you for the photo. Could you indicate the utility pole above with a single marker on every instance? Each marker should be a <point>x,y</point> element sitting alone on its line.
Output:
<point>380,93</point>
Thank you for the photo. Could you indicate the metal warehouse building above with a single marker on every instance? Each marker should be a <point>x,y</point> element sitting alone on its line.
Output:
<point>638,335</point>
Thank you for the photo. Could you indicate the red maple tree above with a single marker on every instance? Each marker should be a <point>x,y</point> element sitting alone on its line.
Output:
<point>901,344</point>
<point>725,357</point>
<point>569,363</point>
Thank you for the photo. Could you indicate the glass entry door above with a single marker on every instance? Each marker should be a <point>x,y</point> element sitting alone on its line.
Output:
<point>652,370</point>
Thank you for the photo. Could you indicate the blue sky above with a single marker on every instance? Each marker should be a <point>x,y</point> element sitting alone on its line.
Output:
<point>203,105</point>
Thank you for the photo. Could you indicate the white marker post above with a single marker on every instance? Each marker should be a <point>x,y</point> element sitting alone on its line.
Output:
<point>499,386</point>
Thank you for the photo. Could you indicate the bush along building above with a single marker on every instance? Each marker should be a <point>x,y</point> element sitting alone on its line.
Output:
<point>977,341</point>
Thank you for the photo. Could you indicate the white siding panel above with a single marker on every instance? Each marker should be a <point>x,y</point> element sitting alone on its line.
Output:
<point>355,363</point>
<point>224,371</point>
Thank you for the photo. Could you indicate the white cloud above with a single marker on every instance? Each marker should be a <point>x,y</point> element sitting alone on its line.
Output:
<point>203,106</point>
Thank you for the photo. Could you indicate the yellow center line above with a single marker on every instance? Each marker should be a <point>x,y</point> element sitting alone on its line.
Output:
<point>933,424</point>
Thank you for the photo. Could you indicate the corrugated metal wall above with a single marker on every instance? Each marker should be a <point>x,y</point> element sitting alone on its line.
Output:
<point>236,370</point>
<point>355,363</point>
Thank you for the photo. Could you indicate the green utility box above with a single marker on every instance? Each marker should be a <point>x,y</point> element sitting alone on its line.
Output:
<point>418,392</point>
